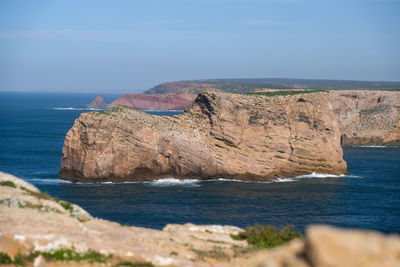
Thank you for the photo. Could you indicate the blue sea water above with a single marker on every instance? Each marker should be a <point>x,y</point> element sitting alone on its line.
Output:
<point>32,131</point>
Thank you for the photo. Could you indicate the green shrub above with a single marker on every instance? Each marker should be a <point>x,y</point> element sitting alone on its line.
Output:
<point>134,264</point>
<point>66,205</point>
<point>40,195</point>
<point>18,260</point>
<point>8,183</point>
<point>4,258</point>
<point>267,236</point>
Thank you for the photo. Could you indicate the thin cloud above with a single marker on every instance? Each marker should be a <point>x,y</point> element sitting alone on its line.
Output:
<point>111,36</point>
<point>161,22</point>
<point>262,22</point>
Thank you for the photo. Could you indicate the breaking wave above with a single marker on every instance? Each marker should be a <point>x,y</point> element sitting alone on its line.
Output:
<point>47,181</point>
<point>196,182</point>
<point>320,175</point>
<point>283,180</point>
<point>173,181</point>
<point>372,146</point>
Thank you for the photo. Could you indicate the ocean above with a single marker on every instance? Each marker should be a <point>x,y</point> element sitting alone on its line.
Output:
<point>32,131</point>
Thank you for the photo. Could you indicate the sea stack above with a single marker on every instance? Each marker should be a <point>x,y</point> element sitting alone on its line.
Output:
<point>98,103</point>
<point>247,137</point>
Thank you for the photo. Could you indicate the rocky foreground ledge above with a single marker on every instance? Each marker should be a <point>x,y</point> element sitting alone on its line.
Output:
<point>39,230</point>
<point>248,137</point>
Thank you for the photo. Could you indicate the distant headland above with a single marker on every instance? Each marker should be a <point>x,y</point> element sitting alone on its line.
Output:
<point>367,111</point>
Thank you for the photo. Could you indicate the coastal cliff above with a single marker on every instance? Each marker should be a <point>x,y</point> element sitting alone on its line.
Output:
<point>98,103</point>
<point>249,137</point>
<point>367,117</point>
<point>41,231</point>
<point>154,102</point>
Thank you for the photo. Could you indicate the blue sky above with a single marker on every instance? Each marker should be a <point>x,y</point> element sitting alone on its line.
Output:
<point>130,46</point>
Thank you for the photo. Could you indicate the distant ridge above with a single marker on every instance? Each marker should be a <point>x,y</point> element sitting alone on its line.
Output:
<point>245,85</point>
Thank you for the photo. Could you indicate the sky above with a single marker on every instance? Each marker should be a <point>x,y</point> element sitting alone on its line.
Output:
<point>129,46</point>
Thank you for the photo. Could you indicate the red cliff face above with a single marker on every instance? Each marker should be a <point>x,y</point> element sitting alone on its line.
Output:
<point>98,103</point>
<point>154,102</point>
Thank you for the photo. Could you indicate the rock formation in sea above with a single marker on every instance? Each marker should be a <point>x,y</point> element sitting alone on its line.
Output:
<point>249,137</point>
<point>39,230</point>
<point>154,102</point>
<point>98,103</point>
<point>367,117</point>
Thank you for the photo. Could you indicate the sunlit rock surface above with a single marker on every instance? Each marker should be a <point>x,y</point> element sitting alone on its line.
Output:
<point>31,221</point>
<point>248,137</point>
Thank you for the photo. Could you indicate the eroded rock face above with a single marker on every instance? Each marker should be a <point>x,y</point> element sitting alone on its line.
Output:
<point>220,135</point>
<point>98,103</point>
<point>367,117</point>
<point>154,102</point>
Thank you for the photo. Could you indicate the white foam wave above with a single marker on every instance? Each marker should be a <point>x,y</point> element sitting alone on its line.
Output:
<point>372,146</point>
<point>195,182</point>
<point>321,175</point>
<point>48,181</point>
<point>276,180</point>
<point>174,181</point>
<point>228,180</point>
<point>283,180</point>
<point>71,108</point>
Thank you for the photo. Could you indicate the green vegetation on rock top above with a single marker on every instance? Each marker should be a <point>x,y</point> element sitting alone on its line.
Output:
<point>284,93</point>
<point>64,254</point>
<point>4,258</point>
<point>8,183</point>
<point>267,236</point>
<point>249,85</point>
<point>134,264</point>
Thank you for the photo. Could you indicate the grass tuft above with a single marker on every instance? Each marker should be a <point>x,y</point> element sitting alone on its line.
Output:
<point>267,236</point>
<point>8,183</point>
<point>39,195</point>
<point>70,255</point>
<point>134,264</point>
<point>173,253</point>
<point>66,205</point>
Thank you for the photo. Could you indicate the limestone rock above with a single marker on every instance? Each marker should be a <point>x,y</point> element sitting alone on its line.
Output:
<point>367,117</point>
<point>29,229</point>
<point>330,247</point>
<point>236,136</point>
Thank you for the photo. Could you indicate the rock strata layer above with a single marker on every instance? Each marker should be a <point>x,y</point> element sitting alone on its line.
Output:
<point>31,224</point>
<point>154,102</point>
<point>367,117</point>
<point>247,137</point>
